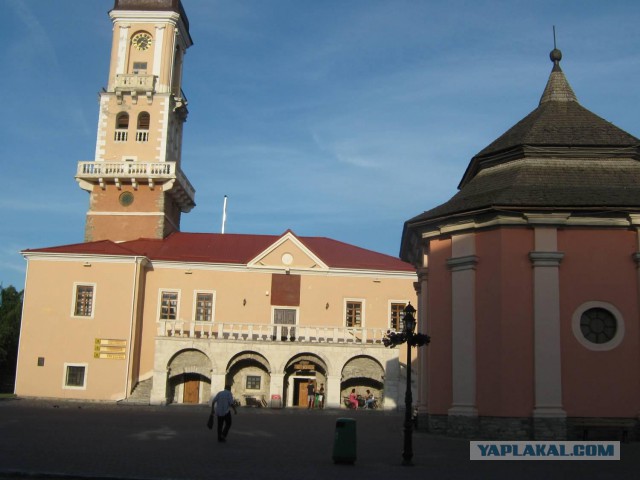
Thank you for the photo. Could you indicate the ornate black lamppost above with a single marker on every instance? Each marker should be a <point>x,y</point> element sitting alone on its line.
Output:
<point>391,339</point>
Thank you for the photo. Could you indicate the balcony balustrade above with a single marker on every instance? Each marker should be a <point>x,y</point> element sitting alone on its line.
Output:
<point>251,332</point>
<point>135,83</point>
<point>126,169</point>
<point>167,173</point>
<point>142,136</point>
<point>120,135</point>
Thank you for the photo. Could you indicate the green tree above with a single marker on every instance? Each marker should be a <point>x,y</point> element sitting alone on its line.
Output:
<point>10,315</point>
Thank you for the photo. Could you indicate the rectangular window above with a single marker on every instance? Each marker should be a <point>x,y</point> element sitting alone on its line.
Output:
<point>75,376</point>
<point>397,314</point>
<point>204,307</point>
<point>83,305</point>
<point>168,305</point>
<point>354,314</point>
<point>139,68</point>
<point>285,316</point>
<point>253,382</point>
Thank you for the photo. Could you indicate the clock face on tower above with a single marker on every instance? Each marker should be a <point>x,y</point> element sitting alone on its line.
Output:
<point>141,41</point>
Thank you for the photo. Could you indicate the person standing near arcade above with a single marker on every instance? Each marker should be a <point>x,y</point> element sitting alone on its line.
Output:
<point>222,405</point>
<point>311,394</point>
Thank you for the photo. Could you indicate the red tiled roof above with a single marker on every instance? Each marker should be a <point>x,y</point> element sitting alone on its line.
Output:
<point>343,255</point>
<point>203,247</point>
<point>236,249</point>
<point>103,247</point>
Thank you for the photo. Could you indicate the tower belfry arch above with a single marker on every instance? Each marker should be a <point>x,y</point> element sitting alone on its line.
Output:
<point>135,182</point>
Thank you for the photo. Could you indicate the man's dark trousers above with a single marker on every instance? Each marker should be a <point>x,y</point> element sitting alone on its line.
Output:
<point>222,432</point>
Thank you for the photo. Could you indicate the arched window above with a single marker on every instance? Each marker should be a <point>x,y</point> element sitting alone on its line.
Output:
<point>143,121</point>
<point>122,121</point>
<point>122,124</point>
<point>142,133</point>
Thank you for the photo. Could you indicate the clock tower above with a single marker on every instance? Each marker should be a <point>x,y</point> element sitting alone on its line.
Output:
<point>136,185</point>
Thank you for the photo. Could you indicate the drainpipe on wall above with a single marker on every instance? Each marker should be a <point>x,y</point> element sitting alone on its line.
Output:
<point>134,296</point>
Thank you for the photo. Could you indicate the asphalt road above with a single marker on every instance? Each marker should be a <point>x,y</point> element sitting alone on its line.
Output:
<point>44,439</point>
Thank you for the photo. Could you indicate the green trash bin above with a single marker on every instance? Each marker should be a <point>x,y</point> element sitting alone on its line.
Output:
<point>344,444</point>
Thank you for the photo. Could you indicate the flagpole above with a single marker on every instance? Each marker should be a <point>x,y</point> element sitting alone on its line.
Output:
<point>224,213</point>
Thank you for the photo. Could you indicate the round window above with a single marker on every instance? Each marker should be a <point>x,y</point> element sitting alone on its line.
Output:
<point>598,325</point>
<point>126,199</point>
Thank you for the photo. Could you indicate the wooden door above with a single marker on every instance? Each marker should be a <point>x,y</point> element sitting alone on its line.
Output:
<point>191,392</point>
<point>302,393</point>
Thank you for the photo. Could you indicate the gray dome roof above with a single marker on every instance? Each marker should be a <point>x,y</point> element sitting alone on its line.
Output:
<point>560,156</point>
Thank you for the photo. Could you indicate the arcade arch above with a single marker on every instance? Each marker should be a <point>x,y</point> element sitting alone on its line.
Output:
<point>363,373</point>
<point>299,371</point>
<point>189,377</point>
<point>249,374</point>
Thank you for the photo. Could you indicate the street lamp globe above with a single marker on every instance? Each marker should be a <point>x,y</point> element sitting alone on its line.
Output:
<point>409,318</point>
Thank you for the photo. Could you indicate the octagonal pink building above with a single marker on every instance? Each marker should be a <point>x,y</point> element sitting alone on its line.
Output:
<point>529,282</point>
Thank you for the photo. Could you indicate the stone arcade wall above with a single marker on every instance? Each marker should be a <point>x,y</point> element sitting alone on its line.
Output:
<point>278,354</point>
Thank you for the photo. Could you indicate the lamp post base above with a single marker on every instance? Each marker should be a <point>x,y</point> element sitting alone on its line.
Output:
<point>407,454</point>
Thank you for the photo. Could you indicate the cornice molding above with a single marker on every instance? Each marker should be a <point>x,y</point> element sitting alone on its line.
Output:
<point>423,274</point>
<point>546,259</point>
<point>76,257</point>
<point>374,275</point>
<point>227,267</point>
<point>153,17</point>
<point>524,219</point>
<point>458,264</point>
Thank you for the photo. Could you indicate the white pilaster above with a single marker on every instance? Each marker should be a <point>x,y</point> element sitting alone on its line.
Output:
<point>123,43</point>
<point>157,55</point>
<point>276,387</point>
<point>159,388</point>
<point>423,380</point>
<point>217,382</point>
<point>333,399</point>
<point>546,318</point>
<point>463,309</point>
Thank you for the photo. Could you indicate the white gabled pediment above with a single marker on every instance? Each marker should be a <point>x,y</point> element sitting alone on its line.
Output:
<point>288,252</point>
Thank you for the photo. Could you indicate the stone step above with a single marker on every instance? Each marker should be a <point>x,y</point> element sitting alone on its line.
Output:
<point>141,394</point>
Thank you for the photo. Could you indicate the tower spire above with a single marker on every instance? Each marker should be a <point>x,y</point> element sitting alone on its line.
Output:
<point>558,88</point>
<point>555,55</point>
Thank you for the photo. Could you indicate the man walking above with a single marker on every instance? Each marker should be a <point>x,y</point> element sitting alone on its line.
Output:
<point>221,405</point>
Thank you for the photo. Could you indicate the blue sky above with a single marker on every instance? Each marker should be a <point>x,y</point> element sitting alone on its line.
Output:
<point>336,118</point>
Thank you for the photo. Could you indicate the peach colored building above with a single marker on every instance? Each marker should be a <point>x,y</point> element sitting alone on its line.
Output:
<point>168,320</point>
<point>529,282</point>
<point>142,312</point>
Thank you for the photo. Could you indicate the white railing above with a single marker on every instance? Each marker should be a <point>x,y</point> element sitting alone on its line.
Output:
<point>136,83</point>
<point>126,169</point>
<point>142,136</point>
<point>120,135</point>
<point>251,332</point>
<point>98,172</point>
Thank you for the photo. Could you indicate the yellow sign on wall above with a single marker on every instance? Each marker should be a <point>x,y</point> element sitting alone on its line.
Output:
<point>110,348</point>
